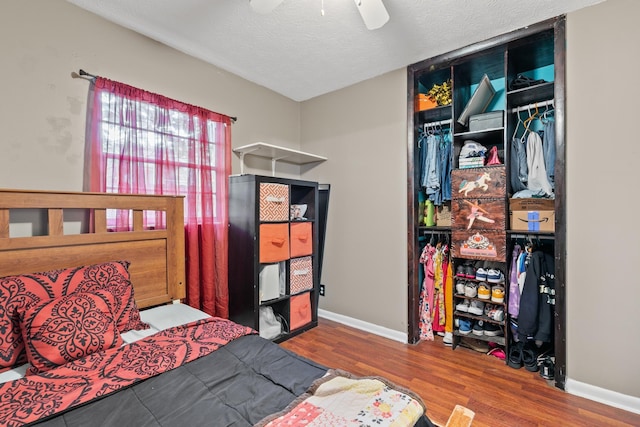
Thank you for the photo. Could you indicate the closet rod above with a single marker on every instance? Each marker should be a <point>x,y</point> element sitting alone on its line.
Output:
<point>532,236</point>
<point>83,74</point>
<point>436,231</point>
<point>530,106</point>
<point>438,123</point>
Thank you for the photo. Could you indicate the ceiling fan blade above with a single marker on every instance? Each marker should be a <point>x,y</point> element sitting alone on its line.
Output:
<point>373,13</point>
<point>264,6</point>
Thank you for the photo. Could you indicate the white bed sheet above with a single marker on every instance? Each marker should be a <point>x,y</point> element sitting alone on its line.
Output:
<point>159,318</point>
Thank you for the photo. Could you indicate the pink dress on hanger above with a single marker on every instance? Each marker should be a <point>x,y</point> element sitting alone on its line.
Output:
<point>426,294</point>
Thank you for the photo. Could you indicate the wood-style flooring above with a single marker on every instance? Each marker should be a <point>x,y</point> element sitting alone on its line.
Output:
<point>499,395</point>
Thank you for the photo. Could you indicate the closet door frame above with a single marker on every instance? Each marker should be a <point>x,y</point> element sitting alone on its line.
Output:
<point>558,25</point>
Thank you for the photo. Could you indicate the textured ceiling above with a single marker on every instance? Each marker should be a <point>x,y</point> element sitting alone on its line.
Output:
<point>300,54</point>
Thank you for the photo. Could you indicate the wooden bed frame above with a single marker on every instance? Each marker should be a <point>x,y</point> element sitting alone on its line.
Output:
<point>157,257</point>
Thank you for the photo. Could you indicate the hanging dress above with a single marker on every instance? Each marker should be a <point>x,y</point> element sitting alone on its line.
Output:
<point>448,292</point>
<point>437,313</point>
<point>426,294</point>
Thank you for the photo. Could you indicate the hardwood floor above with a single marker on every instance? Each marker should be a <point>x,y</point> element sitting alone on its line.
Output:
<point>499,395</point>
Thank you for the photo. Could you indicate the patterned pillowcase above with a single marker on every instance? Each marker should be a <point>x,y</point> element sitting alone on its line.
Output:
<point>18,292</point>
<point>68,328</point>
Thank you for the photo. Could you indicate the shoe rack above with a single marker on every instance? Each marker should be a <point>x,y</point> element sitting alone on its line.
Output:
<point>480,309</point>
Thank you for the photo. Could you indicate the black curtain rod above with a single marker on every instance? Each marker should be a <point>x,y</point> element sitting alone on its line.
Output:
<point>83,73</point>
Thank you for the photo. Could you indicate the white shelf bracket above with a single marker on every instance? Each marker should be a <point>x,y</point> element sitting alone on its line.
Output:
<point>273,164</point>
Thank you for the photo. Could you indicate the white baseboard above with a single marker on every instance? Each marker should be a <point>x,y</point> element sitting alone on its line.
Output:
<point>608,397</point>
<point>364,326</point>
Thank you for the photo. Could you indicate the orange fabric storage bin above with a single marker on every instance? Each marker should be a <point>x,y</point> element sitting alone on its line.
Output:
<point>274,242</point>
<point>300,274</point>
<point>300,306</point>
<point>301,239</point>
<point>274,202</point>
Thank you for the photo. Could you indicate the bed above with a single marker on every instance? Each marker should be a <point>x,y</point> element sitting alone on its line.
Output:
<point>93,331</point>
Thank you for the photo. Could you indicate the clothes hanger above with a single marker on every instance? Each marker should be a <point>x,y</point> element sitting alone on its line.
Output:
<point>548,111</point>
<point>515,132</point>
<point>531,117</point>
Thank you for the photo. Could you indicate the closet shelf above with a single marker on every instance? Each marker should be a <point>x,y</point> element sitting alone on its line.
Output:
<point>530,95</point>
<point>444,112</point>
<point>275,153</point>
<point>481,134</point>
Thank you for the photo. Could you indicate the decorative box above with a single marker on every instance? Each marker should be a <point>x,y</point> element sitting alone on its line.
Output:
<point>300,274</point>
<point>274,202</point>
<point>300,310</point>
<point>489,245</point>
<point>274,242</point>
<point>479,214</point>
<point>301,239</point>
<point>489,182</point>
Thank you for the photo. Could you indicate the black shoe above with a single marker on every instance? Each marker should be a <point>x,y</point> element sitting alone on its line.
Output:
<point>515,355</point>
<point>547,368</point>
<point>522,81</point>
<point>530,358</point>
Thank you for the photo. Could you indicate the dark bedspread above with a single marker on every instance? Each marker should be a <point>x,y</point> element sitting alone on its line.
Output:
<point>236,385</point>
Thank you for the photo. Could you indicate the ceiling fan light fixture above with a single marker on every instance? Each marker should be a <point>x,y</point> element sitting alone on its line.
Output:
<point>264,6</point>
<point>373,13</point>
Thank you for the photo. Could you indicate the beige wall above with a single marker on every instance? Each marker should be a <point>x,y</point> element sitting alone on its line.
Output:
<point>42,109</point>
<point>603,286</point>
<point>362,130</point>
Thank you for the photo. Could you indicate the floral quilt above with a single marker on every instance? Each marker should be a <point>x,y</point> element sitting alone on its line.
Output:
<point>340,398</point>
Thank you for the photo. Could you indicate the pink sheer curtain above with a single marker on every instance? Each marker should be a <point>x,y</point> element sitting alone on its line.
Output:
<point>144,143</point>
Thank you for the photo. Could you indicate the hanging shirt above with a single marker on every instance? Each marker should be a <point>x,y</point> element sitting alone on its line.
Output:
<point>537,179</point>
<point>431,178</point>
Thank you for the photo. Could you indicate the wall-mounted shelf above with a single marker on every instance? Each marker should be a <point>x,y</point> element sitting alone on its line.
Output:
<point>276,154</point>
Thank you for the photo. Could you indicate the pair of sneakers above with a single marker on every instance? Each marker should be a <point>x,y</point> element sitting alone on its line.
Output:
<point>481,327</point>
<point>468,289</point>
<point>497,293</point>
<point>465,271</point>
<point>494,312</point>
<point>473,307</point>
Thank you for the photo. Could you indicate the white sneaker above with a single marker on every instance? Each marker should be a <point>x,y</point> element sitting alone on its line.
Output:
<point>497,314</point>
<point>476,307</point>
<point>463,306</point>
<point>460,287</point>
<point>448,339</point>
<point>471,289</point>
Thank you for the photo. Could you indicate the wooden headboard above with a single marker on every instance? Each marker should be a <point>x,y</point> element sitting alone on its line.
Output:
<point>157,257</point>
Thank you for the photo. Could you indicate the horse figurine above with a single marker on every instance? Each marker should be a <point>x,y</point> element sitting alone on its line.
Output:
<point>481,182</point>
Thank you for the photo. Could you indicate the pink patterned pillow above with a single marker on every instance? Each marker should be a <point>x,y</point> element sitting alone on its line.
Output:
<point>68,328</point>
<point>19,292</point>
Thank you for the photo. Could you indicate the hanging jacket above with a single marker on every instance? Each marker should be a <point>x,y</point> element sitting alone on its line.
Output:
<point>518,172</point>
<point>514,288</point>
<point>535,320</point>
